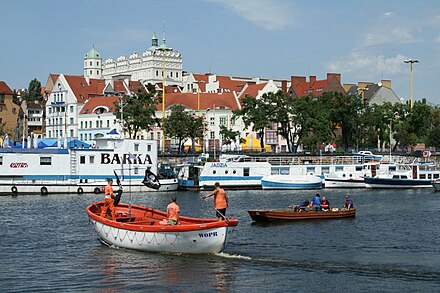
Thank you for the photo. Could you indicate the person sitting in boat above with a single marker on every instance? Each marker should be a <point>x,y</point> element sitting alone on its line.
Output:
<point>348,203</point>
<point>108,200</point>
<point>316,203</point>
<point>302,207</point>
<point>325,204</point>
<point>173,211</point>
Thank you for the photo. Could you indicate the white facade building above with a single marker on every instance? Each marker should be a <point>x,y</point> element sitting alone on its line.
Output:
<point>147,67</point>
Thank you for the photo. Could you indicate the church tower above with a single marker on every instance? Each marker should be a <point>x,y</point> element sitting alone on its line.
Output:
<point>93,64</point>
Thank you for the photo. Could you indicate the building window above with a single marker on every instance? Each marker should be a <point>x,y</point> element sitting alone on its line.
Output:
<point>171,74</point>
<point>212,120</point>
<point>71,120</point>
<point>81,136</point>
<point>71,109</point>
<point>177,74</point>
<point>158,134</point>
<point>97,63</point>
<point>157,73</point>
<point>82,124</point>
<point>91,72</point>
<point>212,134</point>
<point>90,63</point>
<point>46,161</point>
<point>71,132</point>
<point>1,160</point>
<point>108,123</point>
<point>223,120</point>
<point>97,72</point>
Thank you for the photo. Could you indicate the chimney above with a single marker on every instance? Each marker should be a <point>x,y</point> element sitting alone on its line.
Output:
<point>284,86</point>
<point>330,76</point>
<point>312,79</point>
<point>386,83</point>
<point>295,80</point>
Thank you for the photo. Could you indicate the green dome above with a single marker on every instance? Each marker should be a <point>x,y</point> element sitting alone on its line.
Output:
<point>92,54</point>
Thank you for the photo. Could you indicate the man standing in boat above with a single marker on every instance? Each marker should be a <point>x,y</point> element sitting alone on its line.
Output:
<point>220,201</point>
<point>108,200</point>
<point>173,211</point>
<point>316,201</point>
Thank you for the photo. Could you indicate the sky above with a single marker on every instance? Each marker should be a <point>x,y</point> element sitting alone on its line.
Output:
<point>364,40</point>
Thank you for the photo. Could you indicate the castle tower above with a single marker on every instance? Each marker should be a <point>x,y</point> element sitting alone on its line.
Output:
<point>93,64</point>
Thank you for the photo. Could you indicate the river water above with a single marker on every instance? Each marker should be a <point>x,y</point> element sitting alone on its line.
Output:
<point>393,245</point>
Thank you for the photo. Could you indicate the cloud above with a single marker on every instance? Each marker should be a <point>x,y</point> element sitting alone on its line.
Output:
<point>267,14</point>
<point>397,35</point>
<point>363,65</point>
<point>388,14</point>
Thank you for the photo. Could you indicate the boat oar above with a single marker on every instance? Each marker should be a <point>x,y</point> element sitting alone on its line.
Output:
<point>213,206</point>
<point>119,193</point>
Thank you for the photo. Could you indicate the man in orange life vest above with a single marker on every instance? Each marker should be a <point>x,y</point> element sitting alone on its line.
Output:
<point>108,200</point>
<point>220,200</point>
<point>173,211</point>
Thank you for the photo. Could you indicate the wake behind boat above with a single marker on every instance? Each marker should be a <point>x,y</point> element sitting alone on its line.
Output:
<point>295,215</point>
<point>144,229</point>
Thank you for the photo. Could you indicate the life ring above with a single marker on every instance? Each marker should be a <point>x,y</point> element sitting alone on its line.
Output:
<point>426,154</point>
<point>80,190</point>
<point>44,190</point>
<point>14,190</point>
<point>97,190</point>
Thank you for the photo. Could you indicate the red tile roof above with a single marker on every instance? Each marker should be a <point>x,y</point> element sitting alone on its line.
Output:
<point>202,79</point>
<point>313,86</point>
<point>252,89</point>
<point>83,90</point>
<point>5,89</point>
<point>207,100</point>
<point>227,83</point>
<point>95,102</point>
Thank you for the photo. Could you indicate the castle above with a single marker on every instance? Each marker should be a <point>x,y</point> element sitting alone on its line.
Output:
<point>146,68</point>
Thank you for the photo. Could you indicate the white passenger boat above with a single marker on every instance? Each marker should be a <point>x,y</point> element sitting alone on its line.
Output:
<point>145,229</point>
<point>414,175</point>
<point>353,176</point>
<point>291,182</point>
<point>80,170</point>
<point>247,172</point>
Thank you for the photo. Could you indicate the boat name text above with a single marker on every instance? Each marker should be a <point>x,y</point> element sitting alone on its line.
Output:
<point>125,159</point>
<point>18,165</point>
<point>219,165</point>
<point>206,235</point>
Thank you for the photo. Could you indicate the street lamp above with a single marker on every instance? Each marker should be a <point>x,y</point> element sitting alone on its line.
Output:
<point>411,61</point>
<point>163,48</point>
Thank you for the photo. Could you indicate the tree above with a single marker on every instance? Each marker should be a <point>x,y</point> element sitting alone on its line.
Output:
<point>229,135</point>
<point>34,92</point>
<point>176,124</point>
<point>255,113</point>
<point>138,111</point>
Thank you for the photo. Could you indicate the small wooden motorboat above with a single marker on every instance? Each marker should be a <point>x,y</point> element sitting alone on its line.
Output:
<point>145,229</point>
<point>294,215</point>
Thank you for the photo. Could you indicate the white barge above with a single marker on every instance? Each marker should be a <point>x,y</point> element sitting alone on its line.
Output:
<point>80,170</point>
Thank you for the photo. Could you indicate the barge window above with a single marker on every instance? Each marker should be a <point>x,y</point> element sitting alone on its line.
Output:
<point>136,147</point>
<point>148,147</point>
<point>82,159</point>
<point>1,160</point>
<point>310,170</point>
<point>92,159</point>
<point>246,172</point>
<point>284,171</point>
<point>325,170</point>
<point>136,170</point>
<point>423,176</point>
<point>435,176</point>
<point>358,168</point>
<point>45,161</point>
<point>339,168</point>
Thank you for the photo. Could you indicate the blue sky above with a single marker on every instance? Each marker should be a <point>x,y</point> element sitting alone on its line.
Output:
<point>364,40</point>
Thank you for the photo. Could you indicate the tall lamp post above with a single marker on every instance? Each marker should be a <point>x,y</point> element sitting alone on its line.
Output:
<point>411,61</point>
<point>163,48</point>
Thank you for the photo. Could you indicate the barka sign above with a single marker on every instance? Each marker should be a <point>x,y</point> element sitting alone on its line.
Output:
<point>125,159</point>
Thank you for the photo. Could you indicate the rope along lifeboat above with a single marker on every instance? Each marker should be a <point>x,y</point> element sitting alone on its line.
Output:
<point>144,229</point>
